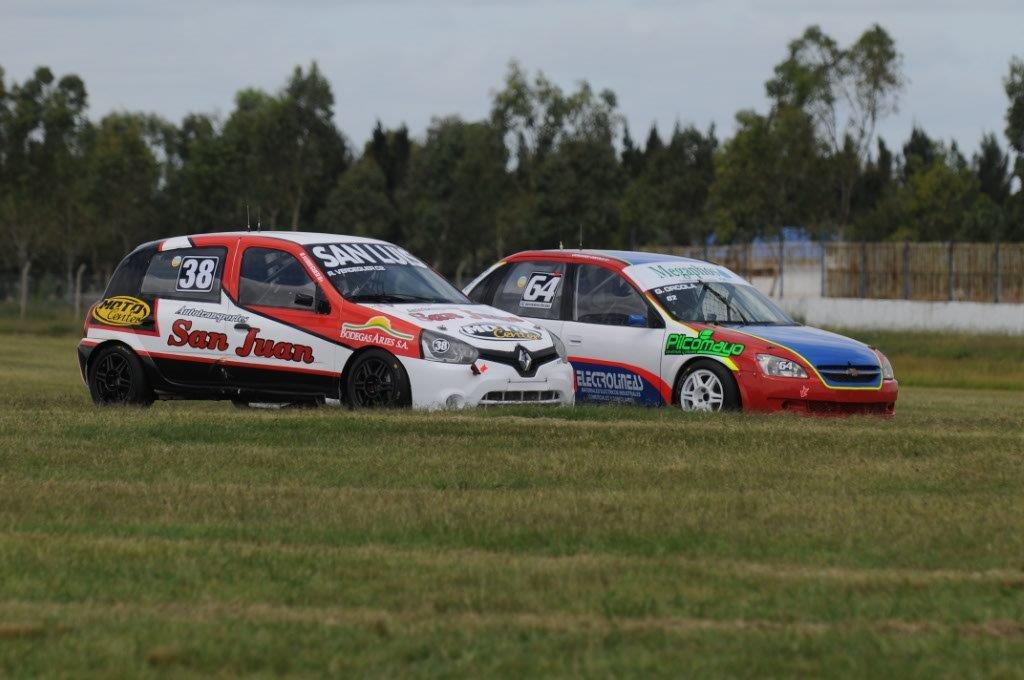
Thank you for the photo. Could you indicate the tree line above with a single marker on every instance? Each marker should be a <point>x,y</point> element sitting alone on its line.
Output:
<point>548,166</point>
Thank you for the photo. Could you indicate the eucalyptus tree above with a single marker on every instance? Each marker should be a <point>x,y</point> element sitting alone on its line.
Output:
<point>846,91</point>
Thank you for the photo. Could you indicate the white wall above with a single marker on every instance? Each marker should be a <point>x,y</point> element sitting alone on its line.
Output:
<point>982,317</point>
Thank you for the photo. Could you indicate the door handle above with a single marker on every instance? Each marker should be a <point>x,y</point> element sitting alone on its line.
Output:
<point>242,327</point>
<point>575,339</point>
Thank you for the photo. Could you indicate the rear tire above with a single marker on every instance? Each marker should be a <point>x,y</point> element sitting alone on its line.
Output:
<point>376,379</point>
<point>117,378</point>
<point>707,386</point>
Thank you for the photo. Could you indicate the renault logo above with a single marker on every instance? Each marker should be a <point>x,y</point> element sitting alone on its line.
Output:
<point>524,359</point>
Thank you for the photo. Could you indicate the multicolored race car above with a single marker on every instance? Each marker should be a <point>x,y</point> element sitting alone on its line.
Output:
<point>656,329</point>
<point>290,317</point>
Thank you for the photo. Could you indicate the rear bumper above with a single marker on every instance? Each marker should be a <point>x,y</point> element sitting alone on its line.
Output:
<point>85,347</point>
<point>436,385</point>
<point>761,393</point>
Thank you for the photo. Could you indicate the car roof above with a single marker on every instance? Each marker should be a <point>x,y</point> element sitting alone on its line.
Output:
<point>622,257</point>
<point>301,237</point>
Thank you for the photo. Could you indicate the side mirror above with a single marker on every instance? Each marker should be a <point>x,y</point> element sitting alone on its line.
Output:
<point>637,320</point>
<point>304,299</point>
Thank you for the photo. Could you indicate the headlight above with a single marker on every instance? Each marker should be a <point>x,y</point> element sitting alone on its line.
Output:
<point>779,367</point>
<point>887,373</point>
<point>559,347</point>
<point>446,349</point>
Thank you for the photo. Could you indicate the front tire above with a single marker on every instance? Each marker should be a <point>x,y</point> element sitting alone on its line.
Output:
<point>376,379</point>
<point>117,378</point>
<point>707,386</point>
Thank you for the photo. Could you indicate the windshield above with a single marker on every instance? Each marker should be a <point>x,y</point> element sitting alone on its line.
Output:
<point>381,272</point>
<point>720,303</point>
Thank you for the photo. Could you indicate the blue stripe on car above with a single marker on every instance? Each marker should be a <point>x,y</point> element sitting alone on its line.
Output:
<point>831,354</point>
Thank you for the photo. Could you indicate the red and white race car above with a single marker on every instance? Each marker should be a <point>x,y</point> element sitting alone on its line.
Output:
<point>656,329</point>
<point>291,317</point>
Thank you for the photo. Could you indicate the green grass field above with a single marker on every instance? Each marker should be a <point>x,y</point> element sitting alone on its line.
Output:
<point>196,538</point>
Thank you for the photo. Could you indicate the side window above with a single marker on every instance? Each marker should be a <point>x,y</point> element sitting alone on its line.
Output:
<point>532,289</point>
<point>604,297</point>
<point>186,273</point>
<point>274,278</point>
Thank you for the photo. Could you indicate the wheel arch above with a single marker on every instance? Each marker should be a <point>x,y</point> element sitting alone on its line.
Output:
<point>111,342</point>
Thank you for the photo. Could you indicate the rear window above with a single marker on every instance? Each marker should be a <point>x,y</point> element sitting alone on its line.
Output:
<point>127,278</point>
<point>482,292</point>
<point>186,274</point>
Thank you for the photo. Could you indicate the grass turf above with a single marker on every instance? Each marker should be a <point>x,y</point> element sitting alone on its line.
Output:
<point>195,538</point>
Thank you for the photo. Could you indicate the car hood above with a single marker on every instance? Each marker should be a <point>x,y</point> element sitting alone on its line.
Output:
<point>479,325</point>
<point>820,348</point>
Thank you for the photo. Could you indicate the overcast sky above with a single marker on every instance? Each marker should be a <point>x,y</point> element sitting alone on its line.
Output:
<point>401,61</point>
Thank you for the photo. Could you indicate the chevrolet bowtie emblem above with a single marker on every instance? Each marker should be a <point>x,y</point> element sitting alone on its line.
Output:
<point>852,372</point>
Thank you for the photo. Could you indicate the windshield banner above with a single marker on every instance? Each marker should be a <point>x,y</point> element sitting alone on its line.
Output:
<point>346,258</point>
<point>670,272</point>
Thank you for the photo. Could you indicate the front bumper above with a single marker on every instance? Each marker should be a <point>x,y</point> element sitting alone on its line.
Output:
<point>437,385</point>
<point>762,393</point>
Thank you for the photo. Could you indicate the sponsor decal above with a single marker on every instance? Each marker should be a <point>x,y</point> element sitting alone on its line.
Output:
<point>540,290</point>
<point>357,269</point>
<point>494,331</point>
<point>308,261</point>
<point>198,313</point>
<point>447,315</point>
<point>196,274</point>
<point>377,331</point>
<point>342,255</point>
<point>182,335</point>
<point>689,271</point>
<point>597,383</point>
<point>675,287</point>
<point>377,323</point>
<point>253,345</point>
<point>703,343</point>
<point>521,282</point>
<point>804,391</point>
<point>121,310</point>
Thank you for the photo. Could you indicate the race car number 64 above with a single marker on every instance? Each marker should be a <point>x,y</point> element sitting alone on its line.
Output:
<point>541,287</point>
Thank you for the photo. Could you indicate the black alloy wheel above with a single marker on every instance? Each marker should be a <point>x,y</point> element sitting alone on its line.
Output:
<point>116,377</point>
<point>376,380</point>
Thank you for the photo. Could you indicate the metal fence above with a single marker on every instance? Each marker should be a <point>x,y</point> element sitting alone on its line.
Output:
<point>978,272</point>
<point>775,266</point>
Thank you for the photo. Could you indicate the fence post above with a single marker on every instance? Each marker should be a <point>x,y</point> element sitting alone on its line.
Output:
<point>823,291</point>
<point>949,266</point>
<point>906,270</point>
<point>782,264</point>
<point>863,269</point>
<point>998,293</point>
